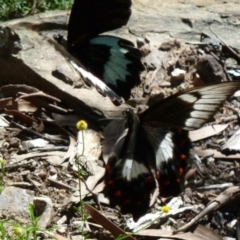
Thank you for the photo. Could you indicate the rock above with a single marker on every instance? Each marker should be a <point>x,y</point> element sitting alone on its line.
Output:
<point>14,202</point>
<point>210,71</point>
<point>159,21</point>
<point>44,209</point>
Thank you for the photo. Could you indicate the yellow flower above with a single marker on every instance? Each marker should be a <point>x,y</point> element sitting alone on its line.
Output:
<point>81,125</point>
<point>165,209</point>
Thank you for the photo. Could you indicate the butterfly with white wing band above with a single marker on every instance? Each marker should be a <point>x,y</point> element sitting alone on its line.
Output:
<point>152,148</point>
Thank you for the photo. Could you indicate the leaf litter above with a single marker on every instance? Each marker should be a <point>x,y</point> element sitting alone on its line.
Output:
<point>40,144</point>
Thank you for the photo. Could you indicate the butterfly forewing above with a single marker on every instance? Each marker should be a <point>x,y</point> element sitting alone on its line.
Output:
<point>191,109</point>
<point>91,17</point>
<point>113,133</point>
<point>113,60</point>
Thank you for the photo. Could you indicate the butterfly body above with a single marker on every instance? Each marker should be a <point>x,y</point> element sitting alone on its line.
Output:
<point>151,149</point>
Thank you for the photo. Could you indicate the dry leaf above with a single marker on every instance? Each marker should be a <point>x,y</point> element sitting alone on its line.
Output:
<point>214,153</point>
<point>233,143</point>
<point>200,233</point>
<point>108,225</point>
<point>206,132</point>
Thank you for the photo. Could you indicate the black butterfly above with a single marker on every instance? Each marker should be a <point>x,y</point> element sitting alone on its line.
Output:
<point>112,59</point>
<point>152,148</point>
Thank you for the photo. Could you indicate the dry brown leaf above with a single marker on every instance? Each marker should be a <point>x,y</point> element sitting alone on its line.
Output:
<point>91,150</point>
<point>71,147</point>
<point>200,233</point>
<point>214,153</point>
<point>40,96</point>
<point>233,143</point>
<point>20,105</point>
<point>25,106</point>
<point>90,182</point>
<point>206,132</point>
<point>8,103</point>
<point>103,221</point>
<point>99,188</point>
<point>14,89</point>
<point>22,157</point>
<point>21,117</point>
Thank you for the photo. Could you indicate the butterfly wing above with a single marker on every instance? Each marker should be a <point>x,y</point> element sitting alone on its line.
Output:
<point>81,70</point>
<point>89,18</point>
<point>171,148</point>
<point>128,184</point>
<point>191,109</point>
<point>128,178</point>
<point>112,134</point>
<point>113,60</point>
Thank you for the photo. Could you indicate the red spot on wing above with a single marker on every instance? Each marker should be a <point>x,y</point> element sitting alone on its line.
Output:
<point>180,171</point>
<point>167,183</point>
<point>111,182</point>
<point>118,193</point>
<point>179,130</point>
<point>149,179</point>
<point>108,168</point>
<point>127,201</point>
<point>158,175</point>
<point>183,156</point>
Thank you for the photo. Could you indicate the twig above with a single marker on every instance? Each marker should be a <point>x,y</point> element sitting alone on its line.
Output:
<point>61,184</point>
<point>228,195</point>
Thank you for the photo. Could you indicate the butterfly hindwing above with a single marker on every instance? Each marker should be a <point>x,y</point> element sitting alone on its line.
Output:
<point>171,148</point>
<point>129,180</point>
<point>129,184</point>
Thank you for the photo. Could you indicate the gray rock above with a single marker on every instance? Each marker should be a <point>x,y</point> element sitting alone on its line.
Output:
<point>14,203</point>
<point>186,20</point>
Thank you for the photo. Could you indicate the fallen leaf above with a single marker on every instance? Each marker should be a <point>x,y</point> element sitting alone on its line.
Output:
<point>206,132</point>
<point>214,153</point>
<point>103,221</point>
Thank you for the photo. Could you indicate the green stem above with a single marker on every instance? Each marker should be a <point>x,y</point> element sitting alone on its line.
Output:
<point>79,182</point>
<point>82,143</point>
